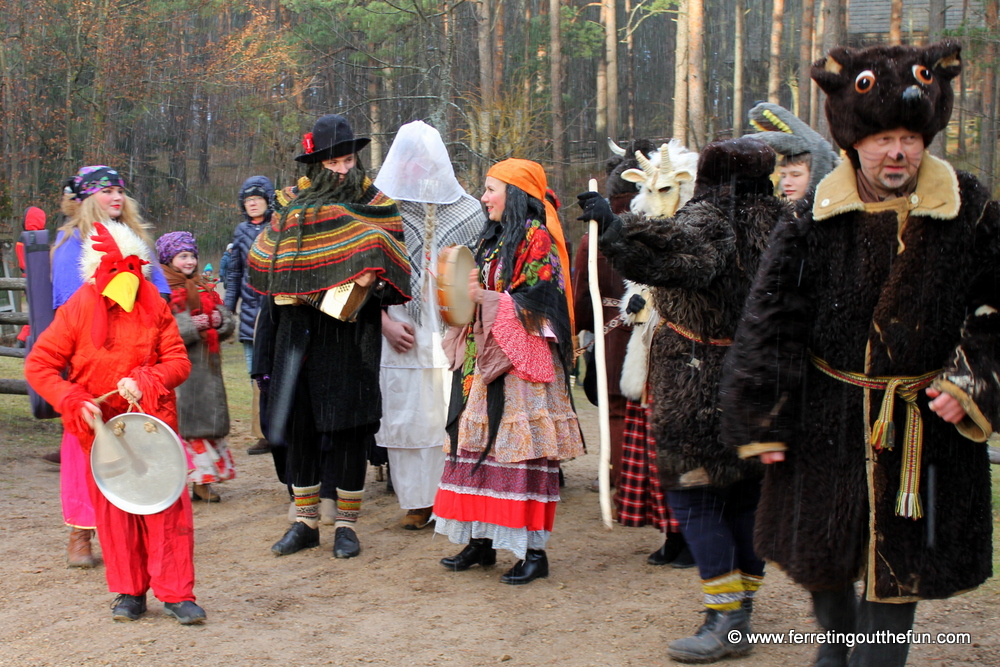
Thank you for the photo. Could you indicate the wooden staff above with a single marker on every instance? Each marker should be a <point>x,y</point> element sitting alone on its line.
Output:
<point>603,416</point>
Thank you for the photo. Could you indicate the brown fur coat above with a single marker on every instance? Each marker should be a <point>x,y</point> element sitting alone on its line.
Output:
<point>700,264</point>
<point>896,288</point>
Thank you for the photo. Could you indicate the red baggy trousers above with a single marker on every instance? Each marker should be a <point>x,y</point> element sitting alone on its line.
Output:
<point>146,551</point>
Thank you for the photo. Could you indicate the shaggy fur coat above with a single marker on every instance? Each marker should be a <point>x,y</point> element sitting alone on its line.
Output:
<point>896,288</point>
<point>700,264</point>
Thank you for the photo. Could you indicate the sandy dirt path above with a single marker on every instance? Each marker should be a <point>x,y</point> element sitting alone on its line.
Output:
<point>394,604</point>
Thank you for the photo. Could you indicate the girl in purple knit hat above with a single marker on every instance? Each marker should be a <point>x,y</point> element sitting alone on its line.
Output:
<point>202,410</point>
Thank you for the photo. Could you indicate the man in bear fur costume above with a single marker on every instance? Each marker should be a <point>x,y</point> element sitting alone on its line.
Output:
<point>700,265</point>
<point>887,279</point>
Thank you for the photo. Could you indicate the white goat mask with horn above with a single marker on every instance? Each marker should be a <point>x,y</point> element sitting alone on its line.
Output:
<point>659,182</point>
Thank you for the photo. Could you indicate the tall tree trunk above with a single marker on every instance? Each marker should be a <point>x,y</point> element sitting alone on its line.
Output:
<point>680,124</point>
<point>738,55</point>
<point>961,92</point>
<point>935,19</point>
<point>440,113</point>
<point>375,116</point>
<point>555,89</point>
<point>896,22</point>
<point>611,54</point>
<point>935,31</point>
<point>988,133</point>
<point>498,50</point>
<point>696,65</point>
<point>7,149</point>
<point>774,67</point>
<point>814,93</point>
<point>805,58</point>
<point>834,34</point>
<point>630,76</point>
<point>204,144</point>
<point>601,117</point>
<point>485,44</point>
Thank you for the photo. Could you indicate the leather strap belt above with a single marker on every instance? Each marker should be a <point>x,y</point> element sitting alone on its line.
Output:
<point>684,332</point>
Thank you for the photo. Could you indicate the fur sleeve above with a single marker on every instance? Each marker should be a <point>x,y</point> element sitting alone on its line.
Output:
<point>189,333</point>
<point>972,375</point>
<point>767,362</point>
<point>687,251</point>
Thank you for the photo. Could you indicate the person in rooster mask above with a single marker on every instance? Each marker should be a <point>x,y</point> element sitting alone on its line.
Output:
<point>116,338</point>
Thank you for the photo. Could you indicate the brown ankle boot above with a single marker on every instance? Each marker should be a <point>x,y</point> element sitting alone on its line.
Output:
<point>78,553</point>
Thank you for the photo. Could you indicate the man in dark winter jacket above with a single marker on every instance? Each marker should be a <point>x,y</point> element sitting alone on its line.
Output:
<point>256,200</point>
<point>864,371</point>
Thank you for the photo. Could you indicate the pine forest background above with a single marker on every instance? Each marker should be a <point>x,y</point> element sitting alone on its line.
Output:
<point>189,97</point>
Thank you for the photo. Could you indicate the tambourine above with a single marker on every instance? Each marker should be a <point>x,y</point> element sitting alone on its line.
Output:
<point>138,463</point>
<point>455,262</point>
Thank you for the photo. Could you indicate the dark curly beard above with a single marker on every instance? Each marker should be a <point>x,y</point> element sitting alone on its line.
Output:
<point>328,187</point>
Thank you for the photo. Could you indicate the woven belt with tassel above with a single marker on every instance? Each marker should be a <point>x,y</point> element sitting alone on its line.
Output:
<point>884,431</point>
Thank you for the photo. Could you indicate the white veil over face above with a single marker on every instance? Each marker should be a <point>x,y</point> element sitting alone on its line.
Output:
<point>417,167</point>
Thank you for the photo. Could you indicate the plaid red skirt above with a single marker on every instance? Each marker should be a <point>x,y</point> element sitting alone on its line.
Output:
<point>639,497</point>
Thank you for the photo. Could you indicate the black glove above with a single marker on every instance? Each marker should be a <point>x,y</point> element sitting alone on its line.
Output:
<point>596,207</point>
<point>635,304</point>
<point>263,382</point>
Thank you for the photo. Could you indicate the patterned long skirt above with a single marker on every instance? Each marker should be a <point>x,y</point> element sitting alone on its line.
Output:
<point>513,504</point>
<point>639,498</point>
<point>210,460</point>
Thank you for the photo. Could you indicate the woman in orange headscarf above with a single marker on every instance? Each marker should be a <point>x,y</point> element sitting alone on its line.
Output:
<point>501,482</point>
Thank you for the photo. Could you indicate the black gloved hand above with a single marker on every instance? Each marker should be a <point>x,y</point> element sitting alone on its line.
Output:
<point>635,304</point>
<point>596,207</point>
<point>263,382</point>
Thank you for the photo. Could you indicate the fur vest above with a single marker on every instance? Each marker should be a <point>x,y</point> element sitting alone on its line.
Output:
<point>898,288</point>
<point>700,265</point>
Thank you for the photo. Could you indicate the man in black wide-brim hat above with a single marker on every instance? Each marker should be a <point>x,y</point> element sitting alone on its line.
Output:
<point>322,373</point>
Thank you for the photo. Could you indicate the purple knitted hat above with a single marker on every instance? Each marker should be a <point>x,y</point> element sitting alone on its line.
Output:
<point>172,244</point>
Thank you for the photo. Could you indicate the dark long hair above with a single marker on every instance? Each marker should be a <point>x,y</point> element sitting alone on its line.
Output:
<point>519,207</point>
<point>325,187</point>
<point>535,306</point>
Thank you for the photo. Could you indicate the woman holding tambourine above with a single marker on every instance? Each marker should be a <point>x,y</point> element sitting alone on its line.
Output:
<point>501,482</point>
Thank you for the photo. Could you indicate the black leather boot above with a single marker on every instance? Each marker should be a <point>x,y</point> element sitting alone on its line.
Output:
<point>534,566</point>
<point>299,536</point>
<point>714,639</point>
<point>345,543</point>
<point>479,551</point>
<point>671,548</point>
<point>684,559</point>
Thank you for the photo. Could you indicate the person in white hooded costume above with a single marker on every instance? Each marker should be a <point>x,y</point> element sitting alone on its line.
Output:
<point>415,380</point>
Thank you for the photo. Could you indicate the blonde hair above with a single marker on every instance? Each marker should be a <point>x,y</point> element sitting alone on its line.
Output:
<point>83,215</point>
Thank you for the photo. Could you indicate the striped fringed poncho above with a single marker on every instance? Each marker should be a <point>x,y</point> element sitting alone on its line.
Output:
<point>311,249</point>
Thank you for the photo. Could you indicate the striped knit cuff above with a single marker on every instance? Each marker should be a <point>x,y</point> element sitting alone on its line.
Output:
<point>348,506</point>
<point>724,593</point>
<point>751,584</point>
<point>307,504</point>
